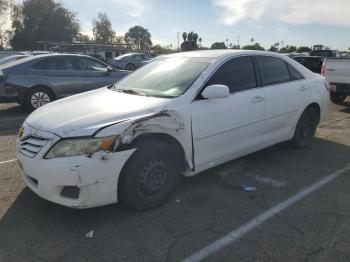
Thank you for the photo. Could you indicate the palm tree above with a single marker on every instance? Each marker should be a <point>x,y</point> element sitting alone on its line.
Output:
<point>252,40</point>
<point>195,37</point>
<point>184,36</point>
<point>200,42</point>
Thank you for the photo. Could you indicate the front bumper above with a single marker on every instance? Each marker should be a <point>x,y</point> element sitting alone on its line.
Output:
<point>94,178</point>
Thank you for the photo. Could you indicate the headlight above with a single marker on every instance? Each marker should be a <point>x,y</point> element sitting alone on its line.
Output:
<point>81,146</point>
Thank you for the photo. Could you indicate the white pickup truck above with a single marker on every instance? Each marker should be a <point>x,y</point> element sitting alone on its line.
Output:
<point>337,73</point>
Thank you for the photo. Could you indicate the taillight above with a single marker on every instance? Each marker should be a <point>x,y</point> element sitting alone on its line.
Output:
<point>323,69</point>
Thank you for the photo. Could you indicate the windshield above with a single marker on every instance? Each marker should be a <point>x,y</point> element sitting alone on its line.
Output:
<point>164,77</point>
<point>122,56</point>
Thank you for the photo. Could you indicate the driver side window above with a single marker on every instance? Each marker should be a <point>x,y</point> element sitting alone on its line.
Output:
<point>238,74</point>
<point>86,64</point>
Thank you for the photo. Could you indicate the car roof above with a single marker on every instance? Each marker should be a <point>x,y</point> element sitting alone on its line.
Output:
<point>308,56</point>
<point>36,57</point>
<point>214,54</point>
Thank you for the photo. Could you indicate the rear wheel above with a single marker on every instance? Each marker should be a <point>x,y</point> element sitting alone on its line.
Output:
<point>306,128</point>
<point>38,97</point>
<point>130,67</point>
<point>337,98</point>
<point>149,175</point>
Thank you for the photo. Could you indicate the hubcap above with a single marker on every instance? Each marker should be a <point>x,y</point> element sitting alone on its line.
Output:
<point>39,99</point>
<point>153,177</point>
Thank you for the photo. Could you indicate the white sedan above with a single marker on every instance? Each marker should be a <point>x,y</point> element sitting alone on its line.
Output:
<point>179,115</point>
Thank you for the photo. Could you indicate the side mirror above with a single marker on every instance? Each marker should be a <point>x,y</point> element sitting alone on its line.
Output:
<point>216,91</point>
<point>110,69</point>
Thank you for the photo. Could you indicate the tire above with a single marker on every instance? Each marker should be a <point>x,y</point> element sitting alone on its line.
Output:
<point>130,67</point>
<point>149,176</point>
<point>306,128</point>
<point>337,98</point>
<point>37,97</point>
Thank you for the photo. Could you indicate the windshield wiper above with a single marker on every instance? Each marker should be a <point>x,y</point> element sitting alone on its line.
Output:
<point>131,91</point>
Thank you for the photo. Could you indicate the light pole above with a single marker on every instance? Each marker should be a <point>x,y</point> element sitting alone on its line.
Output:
<point>178,41</point>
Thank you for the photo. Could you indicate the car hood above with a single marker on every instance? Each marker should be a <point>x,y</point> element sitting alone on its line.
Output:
<point>84,114</point>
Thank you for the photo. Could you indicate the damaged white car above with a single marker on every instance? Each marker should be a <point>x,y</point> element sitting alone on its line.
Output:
<point>179,115</point>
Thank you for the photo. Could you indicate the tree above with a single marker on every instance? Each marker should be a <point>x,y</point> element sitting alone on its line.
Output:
<point>5,7</point>
<point>119,40</point>
<point>159,50</point>
<point>83,38</point>
<point>190,41</point>
<point>235,47</point>
<point>139,38</point>
<point>102,29</point>
<point>42,20</point>
<point>255,46</point>
<point>274,47</point>
<point>218,45</point>
<point>304,49</point>
<point>200,40</point>
<point>288,49</point>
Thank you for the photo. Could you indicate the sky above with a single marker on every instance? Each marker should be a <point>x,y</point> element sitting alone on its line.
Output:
<point>295,22</point>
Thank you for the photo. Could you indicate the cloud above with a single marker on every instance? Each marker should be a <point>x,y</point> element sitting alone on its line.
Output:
<point>134,8</point>
<point>289,11</point>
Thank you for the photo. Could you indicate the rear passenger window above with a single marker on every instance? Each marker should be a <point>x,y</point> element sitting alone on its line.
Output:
<point>294,74</point>
<point>54,63</point>
<point>272,70</point>
<point>238,74</point>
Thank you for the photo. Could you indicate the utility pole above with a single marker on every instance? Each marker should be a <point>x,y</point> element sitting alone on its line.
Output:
<point>178,41</point>
<point>282,42</point>
<point>238,42</point>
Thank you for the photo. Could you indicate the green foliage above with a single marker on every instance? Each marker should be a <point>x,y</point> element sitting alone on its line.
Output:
<point>83,38</point>
<point>138,38</point>
<point>159,50</point>
<point>190,41</point>
<point>5,6</point>
<point>304,49</point>
<point>218,45</point>
<point>102,29</point>
<point>42,20</point>
<point>255,46</point>
<point>288,49</point>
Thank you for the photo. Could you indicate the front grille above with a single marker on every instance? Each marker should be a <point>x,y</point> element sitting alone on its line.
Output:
<point>30,146</point>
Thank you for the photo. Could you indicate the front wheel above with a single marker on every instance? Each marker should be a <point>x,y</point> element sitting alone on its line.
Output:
<point>306,128</point>
<point>337,98</point>
<point>130,67</point>
<point>149,175</point>
<point>37,97</point>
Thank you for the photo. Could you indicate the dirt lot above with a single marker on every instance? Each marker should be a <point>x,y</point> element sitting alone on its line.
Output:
<point>203,209</point>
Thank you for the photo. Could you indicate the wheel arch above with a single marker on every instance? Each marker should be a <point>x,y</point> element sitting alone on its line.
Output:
<point>165,138</point>
<point>317,108</point>
<point>38,86</point>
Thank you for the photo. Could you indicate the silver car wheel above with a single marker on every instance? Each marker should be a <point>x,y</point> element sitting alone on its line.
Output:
<point>39,99</point>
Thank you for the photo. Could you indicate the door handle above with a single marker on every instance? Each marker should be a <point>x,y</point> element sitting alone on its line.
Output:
<point>257,99</point>
<point>303,88</point>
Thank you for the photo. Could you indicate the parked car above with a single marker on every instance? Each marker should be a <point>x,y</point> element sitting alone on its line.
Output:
<point>38,80</point>
<point>337,73</point>
<point>314,63</point>
<point>12,58</point>
<point>100,57</point>
<point>130,61</point>
<point>325,53</point>
<point>181,114</point>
